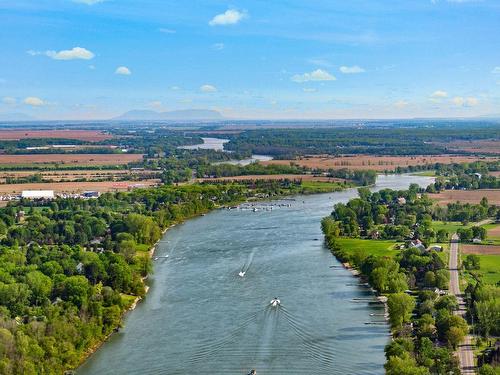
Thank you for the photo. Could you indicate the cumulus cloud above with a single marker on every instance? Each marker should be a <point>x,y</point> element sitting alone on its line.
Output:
<point>316,75</point>
<point>496,70</point>
<point>208,88</point>
<point>123,70</point>
<point>9,100</point>
<point>439,94</point>
<point>229,17</point>
<point>69,54</point>
<point>34,101</point>
<point>351,69</point>
<point>460,101</point>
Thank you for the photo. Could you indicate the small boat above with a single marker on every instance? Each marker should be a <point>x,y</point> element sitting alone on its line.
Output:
<point>275,302</point>
<point>241,273</point>
<point>253,372</point>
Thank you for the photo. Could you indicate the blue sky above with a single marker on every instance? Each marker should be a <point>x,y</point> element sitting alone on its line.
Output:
<point>91,59</point>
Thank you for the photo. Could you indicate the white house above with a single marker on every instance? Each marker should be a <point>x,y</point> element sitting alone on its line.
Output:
<point>37,194</point>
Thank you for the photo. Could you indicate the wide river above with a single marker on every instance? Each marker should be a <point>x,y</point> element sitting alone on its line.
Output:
<point>201,317</point>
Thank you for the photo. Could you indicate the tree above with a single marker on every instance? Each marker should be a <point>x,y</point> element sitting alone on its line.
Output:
<point>488,314</point>
<point>404,365</point>
<point>472,262</point>
<point>76,289</point>
<point>40,286</point>
<point>455,336</point>
<point>442,235</point>
<point>401,306</point>
<point>430,278</point>
<point>379,278</point>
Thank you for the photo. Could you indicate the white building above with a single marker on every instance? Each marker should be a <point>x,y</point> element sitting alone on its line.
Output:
<point>37,194</point>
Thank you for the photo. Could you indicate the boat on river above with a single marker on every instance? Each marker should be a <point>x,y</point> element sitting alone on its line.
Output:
<point>275,302</point>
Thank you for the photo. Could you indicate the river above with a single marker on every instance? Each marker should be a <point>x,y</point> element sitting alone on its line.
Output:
<point>201,317</point>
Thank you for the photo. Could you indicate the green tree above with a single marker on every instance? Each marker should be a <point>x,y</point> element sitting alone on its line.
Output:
<point>400,306</point>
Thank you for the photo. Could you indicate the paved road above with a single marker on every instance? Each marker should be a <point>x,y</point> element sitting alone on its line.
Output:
<point>465,350</point>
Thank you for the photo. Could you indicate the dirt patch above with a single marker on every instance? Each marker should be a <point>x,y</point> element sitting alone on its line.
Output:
<point>82,135</point>
<point>70,159</point>
<point>476,146</point>
<point>494,232</point>
<point>71,175</point>
<point>467,196</point>
<point>77,187</point>
<point>304,177</point>
<point>481,249</point>
<point>377,163</point>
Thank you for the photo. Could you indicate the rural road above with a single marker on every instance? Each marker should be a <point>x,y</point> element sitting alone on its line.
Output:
<point>465,350</point>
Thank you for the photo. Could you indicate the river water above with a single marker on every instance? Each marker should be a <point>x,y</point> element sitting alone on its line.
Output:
<point>200,316</point>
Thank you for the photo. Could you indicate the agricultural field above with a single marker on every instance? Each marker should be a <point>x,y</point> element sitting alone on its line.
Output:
<point>481,249</point>
<point>467,196</point>
<point>373,162</point>
<point>82,135</point>
<point>474,146</point>
<point>490,268</point>
<point>77,187</point>
<point>69,159</point>
<point>450,227</point>
<point>78,175</point>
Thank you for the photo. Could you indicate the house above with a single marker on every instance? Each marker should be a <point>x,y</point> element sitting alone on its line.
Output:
<point>401,201</point>
<point>79,267</point>
<point>417,244</point>
<point>20,216</point>
<point>476,240</point>
<point>436,248</point>
<point>37,194</point>
<point>91,194</point>
<point>478,175</point>
<point>375,235</point>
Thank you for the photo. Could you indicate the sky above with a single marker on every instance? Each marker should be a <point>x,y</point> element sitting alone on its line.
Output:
<point>258,59</point>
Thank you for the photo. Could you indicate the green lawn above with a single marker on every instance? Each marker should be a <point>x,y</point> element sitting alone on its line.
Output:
<point>371,247</point>
<point>450,226</point>
<point>425,173</point>
<point>490,268</point>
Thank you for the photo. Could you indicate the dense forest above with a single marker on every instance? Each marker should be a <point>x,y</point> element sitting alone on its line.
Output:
<point>289,143</point>
<point>69,268</point>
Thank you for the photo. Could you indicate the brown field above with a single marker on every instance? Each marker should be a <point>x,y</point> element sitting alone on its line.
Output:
<point>494,232</point>
<point>305,177</point>
<point>377,163</point>
<point>77,187</point>
<point>467,196</point>
<point>71,175</point>
<point>477,146</point>
<point>481,249</point>
<point>70,159</point>
<point>82,135</point>
<point>495,173</point>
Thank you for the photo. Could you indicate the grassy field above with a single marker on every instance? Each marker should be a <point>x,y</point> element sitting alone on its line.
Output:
<point>371,247</point>
<point>450,227</point>
<point>490,268</point>
<point>431,173</point>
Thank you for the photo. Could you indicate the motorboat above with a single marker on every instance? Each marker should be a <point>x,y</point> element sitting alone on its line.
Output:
<point>241,274</point>
<point>275,302</point>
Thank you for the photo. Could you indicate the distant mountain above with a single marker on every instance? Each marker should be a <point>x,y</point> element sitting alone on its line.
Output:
<point>186,114</point>
<point>16,116</point>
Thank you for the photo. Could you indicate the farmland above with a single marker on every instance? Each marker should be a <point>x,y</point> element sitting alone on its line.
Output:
<point>70,159</point>
<point>76,186</point>
<point>77,175</point>
<point>303,177</point>
<point>377,163</point>
<point>467,196</point>
<point>82,135</point>
<point>481,249</point>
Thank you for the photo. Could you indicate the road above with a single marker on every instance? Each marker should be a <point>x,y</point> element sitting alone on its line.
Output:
<point>465,350</point>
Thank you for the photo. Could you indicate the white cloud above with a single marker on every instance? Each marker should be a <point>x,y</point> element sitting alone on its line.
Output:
<point>34,101</point>
<point>460,101</point>
<point>71,54</point>
<point>218,46</point>
<point>316,75</point>
<point>351,69</point>
<point>175,88</point>
<point>401,104</point>
<point>208,88</point>
<point>9,100</point>
<point>229,17</point>
<point>167,31</point>
<point>439,94</point>
<point>123,70</point>
<point>308,89</point>
<point>496,70</point>
<point>89,2</point>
